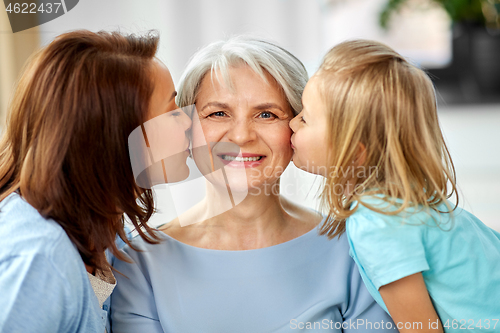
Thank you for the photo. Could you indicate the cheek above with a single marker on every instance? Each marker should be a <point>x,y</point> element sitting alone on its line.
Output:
<point>305,146</point>
<point>200,134</point>
<point>279,139</point>
<point>318,150</point>
<point>206,131</point>
<point>300,140</point>
<point>175,134</point>
<point>166,137</point>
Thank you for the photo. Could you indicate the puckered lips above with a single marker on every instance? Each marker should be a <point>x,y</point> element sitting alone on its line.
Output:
<point>241,160</point>
<point>291,143</point>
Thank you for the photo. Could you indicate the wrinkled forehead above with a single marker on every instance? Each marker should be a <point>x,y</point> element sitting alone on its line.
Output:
<point>221,77</point>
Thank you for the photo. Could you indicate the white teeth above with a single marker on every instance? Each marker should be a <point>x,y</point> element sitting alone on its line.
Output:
<point>240,159</point>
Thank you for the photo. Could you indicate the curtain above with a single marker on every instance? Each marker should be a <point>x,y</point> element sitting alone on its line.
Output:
<point>15,49</point>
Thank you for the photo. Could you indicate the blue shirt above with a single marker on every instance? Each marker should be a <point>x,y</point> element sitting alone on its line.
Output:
<point>458,255</point>
<point>44,285</point>
<point>307,283</point>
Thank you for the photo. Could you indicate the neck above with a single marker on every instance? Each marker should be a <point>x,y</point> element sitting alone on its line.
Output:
<point>257,221</point>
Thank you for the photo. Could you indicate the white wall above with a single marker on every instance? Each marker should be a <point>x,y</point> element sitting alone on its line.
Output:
<point>126,15</point>
<point>472,133</point>
<point>187,25</point>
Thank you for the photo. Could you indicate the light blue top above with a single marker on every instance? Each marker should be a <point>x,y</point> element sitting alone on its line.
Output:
<point>459,260</point>
<point>308,282</point>
<point>44,286</point>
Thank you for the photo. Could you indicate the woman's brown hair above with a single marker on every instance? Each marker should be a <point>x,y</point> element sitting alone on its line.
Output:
<point>65,149</point>
<point>380,102</point>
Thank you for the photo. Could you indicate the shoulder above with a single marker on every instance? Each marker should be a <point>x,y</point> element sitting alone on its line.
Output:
<point>300,219</point>
<point>23,231</point>
<point>144,254</point>
<point>369,228</point>
<point>174,230</point>
<point>30,239</point>
<point>47,268</point>
<point>374,213</point>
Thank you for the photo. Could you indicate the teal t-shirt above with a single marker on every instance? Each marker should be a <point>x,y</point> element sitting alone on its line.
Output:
<point>458,255</point>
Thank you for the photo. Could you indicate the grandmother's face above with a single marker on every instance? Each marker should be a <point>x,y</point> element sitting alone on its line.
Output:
<point>252,117</point>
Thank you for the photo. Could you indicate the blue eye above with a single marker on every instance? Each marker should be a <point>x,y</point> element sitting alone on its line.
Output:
<point>217,114</point>
<point>302,119</point>
<point>267,115</point>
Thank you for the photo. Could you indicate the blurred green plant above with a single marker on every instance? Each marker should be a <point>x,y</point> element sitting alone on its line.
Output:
<point>476,12</point>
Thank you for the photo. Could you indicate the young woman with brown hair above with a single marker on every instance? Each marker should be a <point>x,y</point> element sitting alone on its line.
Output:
<point>66,182</point>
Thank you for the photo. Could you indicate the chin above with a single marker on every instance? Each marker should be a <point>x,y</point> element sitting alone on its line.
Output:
<point>237,181</point>
<point>177,174</point>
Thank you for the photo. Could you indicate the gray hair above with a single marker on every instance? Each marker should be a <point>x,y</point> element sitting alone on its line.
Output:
<point>259,55</point>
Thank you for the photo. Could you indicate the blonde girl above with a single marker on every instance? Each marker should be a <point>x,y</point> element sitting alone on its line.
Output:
<point>369,126</point>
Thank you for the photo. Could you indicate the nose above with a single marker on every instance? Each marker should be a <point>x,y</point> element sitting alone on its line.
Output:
<point>294,123</point>
<point>241,132</point>
<point>186,121</point>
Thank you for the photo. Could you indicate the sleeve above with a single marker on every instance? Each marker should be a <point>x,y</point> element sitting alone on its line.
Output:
<point>363,314</point>
<point>386,247</point>
<point>133,308</point>
<point>34,298</point>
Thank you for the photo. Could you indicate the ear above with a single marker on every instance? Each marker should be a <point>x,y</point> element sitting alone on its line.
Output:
<point>360,155</point>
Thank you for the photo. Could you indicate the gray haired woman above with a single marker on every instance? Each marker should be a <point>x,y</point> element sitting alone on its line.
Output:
<point>260,266</point>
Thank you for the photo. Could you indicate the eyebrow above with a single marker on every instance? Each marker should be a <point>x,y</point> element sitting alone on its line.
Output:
<point>269,106</point>
<point>216,104</point>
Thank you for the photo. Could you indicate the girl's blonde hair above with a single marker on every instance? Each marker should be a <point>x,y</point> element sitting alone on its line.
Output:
<point>377,100</point>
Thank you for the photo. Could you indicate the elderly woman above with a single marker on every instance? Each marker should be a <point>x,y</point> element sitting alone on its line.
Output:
<point>260,266</point>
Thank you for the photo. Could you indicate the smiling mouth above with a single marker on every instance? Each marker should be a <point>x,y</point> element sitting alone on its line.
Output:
<point>240,159</point>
